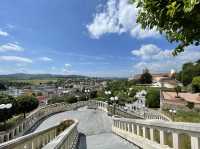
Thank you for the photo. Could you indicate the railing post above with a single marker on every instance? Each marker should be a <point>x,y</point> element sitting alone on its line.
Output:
<point>133,129</point>
<point>144,131</point>
<point>176,140</point>
<point>151,134</point>
<point>195,142</point>
<point>138,130</point>
<point>162,137</point>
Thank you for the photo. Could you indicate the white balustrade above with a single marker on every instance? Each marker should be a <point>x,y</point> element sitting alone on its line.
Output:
<point>40,139</point>
<point>146,136</point>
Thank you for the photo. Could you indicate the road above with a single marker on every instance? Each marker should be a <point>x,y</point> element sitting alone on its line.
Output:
<point>94,127</point>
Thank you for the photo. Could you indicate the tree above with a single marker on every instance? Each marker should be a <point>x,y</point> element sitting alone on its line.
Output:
<point>7,113</point>
<point>190,105</point>
<point>146,78</point>
<point>26,104</point>
<point>70,99</point>
<point>153,98</point>
<point>196,84</point>
<point>188,72</point>
<point>177,90</point>
<point>93,94</point>
<point>2,87</point>
<point>178,20</point>
<point>132,92</point>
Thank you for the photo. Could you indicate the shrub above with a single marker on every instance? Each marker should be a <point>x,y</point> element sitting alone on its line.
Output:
<point>153,98</point>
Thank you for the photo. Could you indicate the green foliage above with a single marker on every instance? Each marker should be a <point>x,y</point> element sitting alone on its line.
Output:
<point>153,98</point>
<point>196,84</point>
<point>26,104</point>
<point>117,85</point>
<point>187,116</point>
<point>133,92</point>
<point>178,20</point>
<point>177,90</point>
<point>2,87</point>
<point>190,105</point>
<point>6,114</point>
<point>18,84</point>
<point>100,99</point>
<point>146,78</point>
<point>93,94</point>
<point>188,72</point>
<point>66,99</point>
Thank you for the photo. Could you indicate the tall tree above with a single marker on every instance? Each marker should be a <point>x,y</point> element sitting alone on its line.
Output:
<point>146,78</point>
<point>26,104</point>
<point>178,20</point>
<point>7,113</point>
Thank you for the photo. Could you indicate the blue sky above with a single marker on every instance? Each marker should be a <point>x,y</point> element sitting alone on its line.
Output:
<point>90,37</point>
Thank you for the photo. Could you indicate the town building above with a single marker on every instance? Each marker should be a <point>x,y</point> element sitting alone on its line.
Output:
<point>139,104</point>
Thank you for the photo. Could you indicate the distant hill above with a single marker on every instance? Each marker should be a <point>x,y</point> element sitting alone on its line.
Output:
<point>22,76</point>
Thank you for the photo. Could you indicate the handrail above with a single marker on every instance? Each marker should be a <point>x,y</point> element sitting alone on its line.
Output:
<point>21,128</point>
<point>62,140</point>
<point>136,131</point>
<point>37,139</point>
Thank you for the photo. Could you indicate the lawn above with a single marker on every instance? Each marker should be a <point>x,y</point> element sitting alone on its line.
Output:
<point>184,116</point>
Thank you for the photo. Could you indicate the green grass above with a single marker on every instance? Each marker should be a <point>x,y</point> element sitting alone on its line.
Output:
<point>185,116</point>
<point>37,81</point>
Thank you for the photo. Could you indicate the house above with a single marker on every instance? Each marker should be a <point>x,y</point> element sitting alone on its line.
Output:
<point>42,100</point>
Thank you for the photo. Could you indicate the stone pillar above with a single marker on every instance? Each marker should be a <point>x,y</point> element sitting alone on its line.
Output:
<point>176,140</point>
<point>162,137</point>
<point>128,126</point>
<point>195,142</point>
<point>138,130</point>
<point>144,132</point>
<point>133,129</point>
<point>151,134</point>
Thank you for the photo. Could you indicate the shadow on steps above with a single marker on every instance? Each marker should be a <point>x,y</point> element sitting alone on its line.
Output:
<point>82,144</point>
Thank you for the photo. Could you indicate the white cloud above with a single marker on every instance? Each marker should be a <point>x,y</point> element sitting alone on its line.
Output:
<point>146,51</point>
<point>156,60</point>
<point>3,33</point>
<point>118,16</point>
<point>15,59</point>
<point>11,47</point>
<point>68,65</point>
<point>46,59</point>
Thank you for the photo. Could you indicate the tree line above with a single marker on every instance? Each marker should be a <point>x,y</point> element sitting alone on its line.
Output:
<point>19,105</point>
<point>190,75</point>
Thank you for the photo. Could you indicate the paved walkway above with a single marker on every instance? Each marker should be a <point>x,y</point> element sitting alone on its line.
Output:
<point>95,129</point>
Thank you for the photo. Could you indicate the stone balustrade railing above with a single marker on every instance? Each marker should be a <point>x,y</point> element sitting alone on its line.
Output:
<point>66,140</point>
<point>153,114</point>
<point>156,134</point>
<point>31,121</point>
<point>39,139</point>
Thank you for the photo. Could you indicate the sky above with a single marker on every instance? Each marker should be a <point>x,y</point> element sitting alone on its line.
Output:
<point>91,37</point>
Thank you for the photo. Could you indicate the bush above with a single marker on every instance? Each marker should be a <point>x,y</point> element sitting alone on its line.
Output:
<point>196,84</point>
<point>190,105</point>
<point>153,98</point>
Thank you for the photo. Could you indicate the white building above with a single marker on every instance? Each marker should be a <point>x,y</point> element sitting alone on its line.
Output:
<point>139,103</point>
